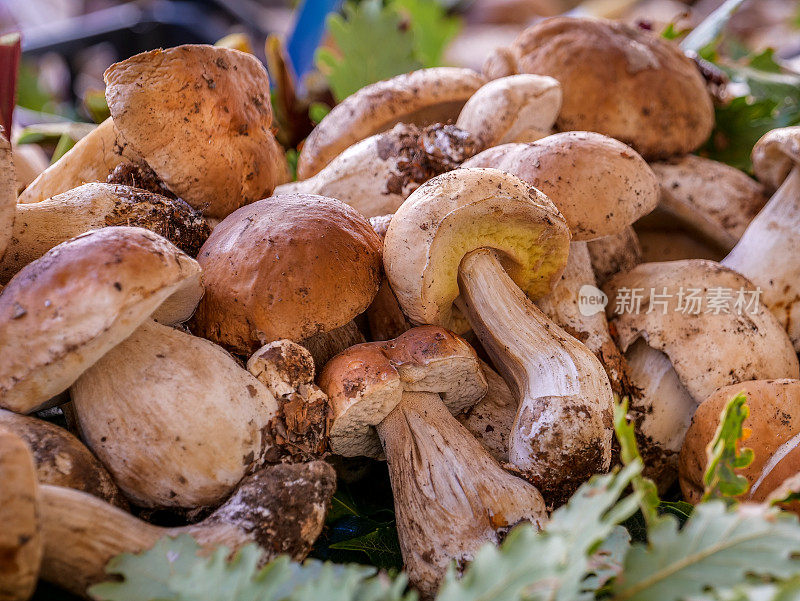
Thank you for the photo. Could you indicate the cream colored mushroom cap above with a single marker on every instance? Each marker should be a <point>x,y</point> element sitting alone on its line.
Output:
<point>200,116</point>
<point>599,184</point>
<point>64,311</point>
<point>420,97</point>
<point>367,381</point>
<point>458,212</point>
<point>707,349</point>
<point>775,154</point>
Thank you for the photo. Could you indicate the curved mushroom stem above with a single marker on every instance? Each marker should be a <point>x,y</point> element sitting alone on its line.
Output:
<point>450,495</point>
<point>563,428</point>
<point>281,508</point>
<point>762,254</point>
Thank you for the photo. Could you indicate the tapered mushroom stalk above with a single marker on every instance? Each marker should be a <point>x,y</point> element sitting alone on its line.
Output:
<point>280,508</point>
<point>42,225</point>
<point>8,193</point>
<point>487,236</point>
<point>765,252</point>
<point>20,532</point>
<point>450,495</point>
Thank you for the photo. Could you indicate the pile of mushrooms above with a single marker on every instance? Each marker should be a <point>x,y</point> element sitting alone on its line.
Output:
<point>455,284</point>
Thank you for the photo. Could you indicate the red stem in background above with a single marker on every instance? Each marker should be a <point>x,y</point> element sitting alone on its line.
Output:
<point>10,51</point>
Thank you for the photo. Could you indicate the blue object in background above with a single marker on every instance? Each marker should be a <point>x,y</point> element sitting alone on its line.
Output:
<point>307,33</point>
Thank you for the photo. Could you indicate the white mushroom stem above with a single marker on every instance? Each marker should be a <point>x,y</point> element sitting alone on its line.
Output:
<point>765,253</point>
<point>450,495</point>
<point>563,428</point>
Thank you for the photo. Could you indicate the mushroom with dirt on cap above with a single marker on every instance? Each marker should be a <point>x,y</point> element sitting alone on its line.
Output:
<point>450,495</point>
<point>469,248</point>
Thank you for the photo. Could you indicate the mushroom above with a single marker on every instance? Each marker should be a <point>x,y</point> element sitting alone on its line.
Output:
<point>620,81</point>
<point>707,198</point>
<point>669,244</point>
<point>450,496</point>
<point>696,326</point>
<point>614,253</point>
<point>61,459</point>
<point>764,254</point>
<point>289,266</point>
<point>20,535</point>
<point>420,97</point>
<point>173,417</point>
<point>467,249</point>
<point>8,193</point>
<point>280,508</point>
<point>774,434</point>
<point>42,225</point>
<point>377,174</point>
<point>601,186</point>
<point>64,311</point>
<point>167,104</point>
<point>29,161</point>
<point>519,108</point>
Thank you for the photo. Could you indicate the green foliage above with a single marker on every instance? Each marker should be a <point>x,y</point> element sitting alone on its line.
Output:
<point>317,111</point>
<point>380,546</point>
<point>65,144</point>
<point>720,479</point>
<point>707,33</point>
<point>374,41</point>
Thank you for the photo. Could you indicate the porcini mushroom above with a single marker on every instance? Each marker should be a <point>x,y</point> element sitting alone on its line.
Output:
<point>42,225</point>
<point>64,311</point>
<point>20,533</point>
<point>385,318</point>
<point>469,248</point>
<point>774,435</point>
<point>289,266</point>
<point>61,459</point>
<point>763,252</point>
<point>420,97</point>
<point>620,81</point>
<point>614,253</point>
<point>450,495</point>
<point>688,328</point>
<point>8,193</point>
<point>281,508</point>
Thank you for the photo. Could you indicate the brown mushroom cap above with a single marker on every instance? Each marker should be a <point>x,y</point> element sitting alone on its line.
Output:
<point>774,421</point>
<point>420,97</point>
<point>20,531</point>
<point>365,382</point>
<point>620,81</point>
<point>775,154</point>
<point>8,193</point>
<point>200,116</point>
<point>599,184</point>
<point>289,266</point>
<point>64,311</point>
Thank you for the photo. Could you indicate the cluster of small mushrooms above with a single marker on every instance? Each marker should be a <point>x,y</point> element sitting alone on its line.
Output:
<point>216,335</point>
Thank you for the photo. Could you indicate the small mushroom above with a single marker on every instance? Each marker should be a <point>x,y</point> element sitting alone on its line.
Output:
<point>519,108</point>
<point>280,508</point>
<point>708,198</point>
<point>64,311</point>
<point>61,459</point>
<point>8,193</point>
<point>774,434</point>
<point>450,495</point>
<point>289,266</point>
<point>620,81</point>
<point>615,253</point>
<point>684,338</point>
<point>469,248</point>
<point>42,225</point>
<point>765,252</point>
<point>421,97</point>
<point>21,539</point>
<point>173,417</point>
<point>167,104</point>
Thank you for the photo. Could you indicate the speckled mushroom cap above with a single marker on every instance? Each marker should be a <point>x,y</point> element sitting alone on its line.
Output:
<point>599,184</point>
<point>200,116</point>
<point>289,266</point>
<point>465,210</point>
<point>365,382</point>
<point>620,81</point>
<point>420,97</point>
<point>774,427</point>
<point>64,311</point>
<point>708,349</point>
<point>775,154</point>
<point>20,531</point>
<point>8,193</point>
